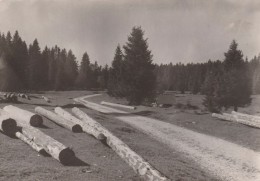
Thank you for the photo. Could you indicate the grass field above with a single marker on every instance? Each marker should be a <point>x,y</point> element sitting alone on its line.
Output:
<point>97,161</point>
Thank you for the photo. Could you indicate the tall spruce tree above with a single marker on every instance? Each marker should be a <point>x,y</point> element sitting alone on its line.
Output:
<point>71,70</point>
<point>138,76</point>
<point>34,65</point>
<point>84,75</point>
<point>19,62</point>
<point>235,89</point>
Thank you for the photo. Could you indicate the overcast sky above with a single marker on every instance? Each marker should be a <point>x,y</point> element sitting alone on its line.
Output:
<point>177,30</point>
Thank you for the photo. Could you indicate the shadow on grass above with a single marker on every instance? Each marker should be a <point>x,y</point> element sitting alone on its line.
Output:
<point>73,105</point>
<point>143,113</point>
<point>43,126</point>
<point>74,161</point>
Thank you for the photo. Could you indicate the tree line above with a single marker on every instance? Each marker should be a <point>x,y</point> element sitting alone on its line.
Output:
<point>191,77</point>
<point>26,68</point>
<point>132,74</point>
<point>225,83</point>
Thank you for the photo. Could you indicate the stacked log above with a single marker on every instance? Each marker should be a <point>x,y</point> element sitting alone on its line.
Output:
<point>74,127</point>
<point>23,116</point>
<point>36,139</point>
<point>118,105</point>
<point>143,168</point>
<point>87,129</point>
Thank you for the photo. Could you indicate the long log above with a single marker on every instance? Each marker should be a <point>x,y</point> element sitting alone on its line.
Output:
<point>118,105</point>
<point>56,149</point>
<point>246,116</point>
<point>59,120</point>
<point>235,118</point>
<point>7,124</point>
<point>225,117</point>
<point>30,142</point>
<point>46,99</point>
<point>21,115</point>
<point>87,129</point>
<point>140,166</point>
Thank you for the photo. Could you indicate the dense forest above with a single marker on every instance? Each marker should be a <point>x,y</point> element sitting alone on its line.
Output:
<point>27,68</point>
<point>191,77</point>
<point>132,73</point>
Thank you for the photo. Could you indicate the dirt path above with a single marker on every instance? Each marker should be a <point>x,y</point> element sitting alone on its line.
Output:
<point>221,158</point>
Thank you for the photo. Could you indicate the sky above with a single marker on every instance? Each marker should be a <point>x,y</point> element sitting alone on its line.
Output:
<point>177,30</point>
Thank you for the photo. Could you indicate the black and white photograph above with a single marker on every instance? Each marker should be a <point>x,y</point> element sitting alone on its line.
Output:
<point>129,90</point>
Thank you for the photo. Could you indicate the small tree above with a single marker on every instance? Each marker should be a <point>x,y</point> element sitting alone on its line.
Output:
<point>138,76</point>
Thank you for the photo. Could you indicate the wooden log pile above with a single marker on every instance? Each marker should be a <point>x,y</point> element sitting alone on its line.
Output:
<point>74,127</point>
<point>85,127</point>
<point>140,166</point>
<point>38,140</point>
<point>23,116</point>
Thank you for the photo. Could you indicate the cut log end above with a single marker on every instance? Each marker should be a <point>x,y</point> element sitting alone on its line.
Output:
<point>36,120</point>
<point>77,128</point>
<point>66,156</point>
<point>102,137</point>
<point>9,126</point>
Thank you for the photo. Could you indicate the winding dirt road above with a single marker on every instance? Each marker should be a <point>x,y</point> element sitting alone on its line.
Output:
<point>223,159</point>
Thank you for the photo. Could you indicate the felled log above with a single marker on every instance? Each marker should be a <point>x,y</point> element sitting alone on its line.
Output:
<point>117,105</point>
<point>59,120</point>
<point>235,118</point>
<point>227,117</point>
<point>87,129</point>
<point>21,115</point>
<point>7,124</point>
<point>140,166</point>
<point>46,99</point>
<point>56,149</point>
<point>30,142</point>
<point>248,117</point>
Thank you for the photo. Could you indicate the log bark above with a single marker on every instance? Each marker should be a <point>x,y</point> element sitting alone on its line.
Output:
<point>30,142</point>
<point>7,124</point>
<point>247,116</point>
<point>227,117</point>
<point>87,129</point>
<point>24,116</point>
<point>118,105</point>
<point>140,166</point>
<point>56,149</point>
<point>59,120</point>
<point>235,118</point>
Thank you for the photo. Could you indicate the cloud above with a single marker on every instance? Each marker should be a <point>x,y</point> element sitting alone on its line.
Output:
<point>177,30</point>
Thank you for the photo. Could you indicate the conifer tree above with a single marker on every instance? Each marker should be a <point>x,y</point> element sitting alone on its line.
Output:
<point>115,83</point>
<point>70,70</point>
<point>237,83</point>
<point>84,75</point>
<point>138,76</point>
<point>34,65</point>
